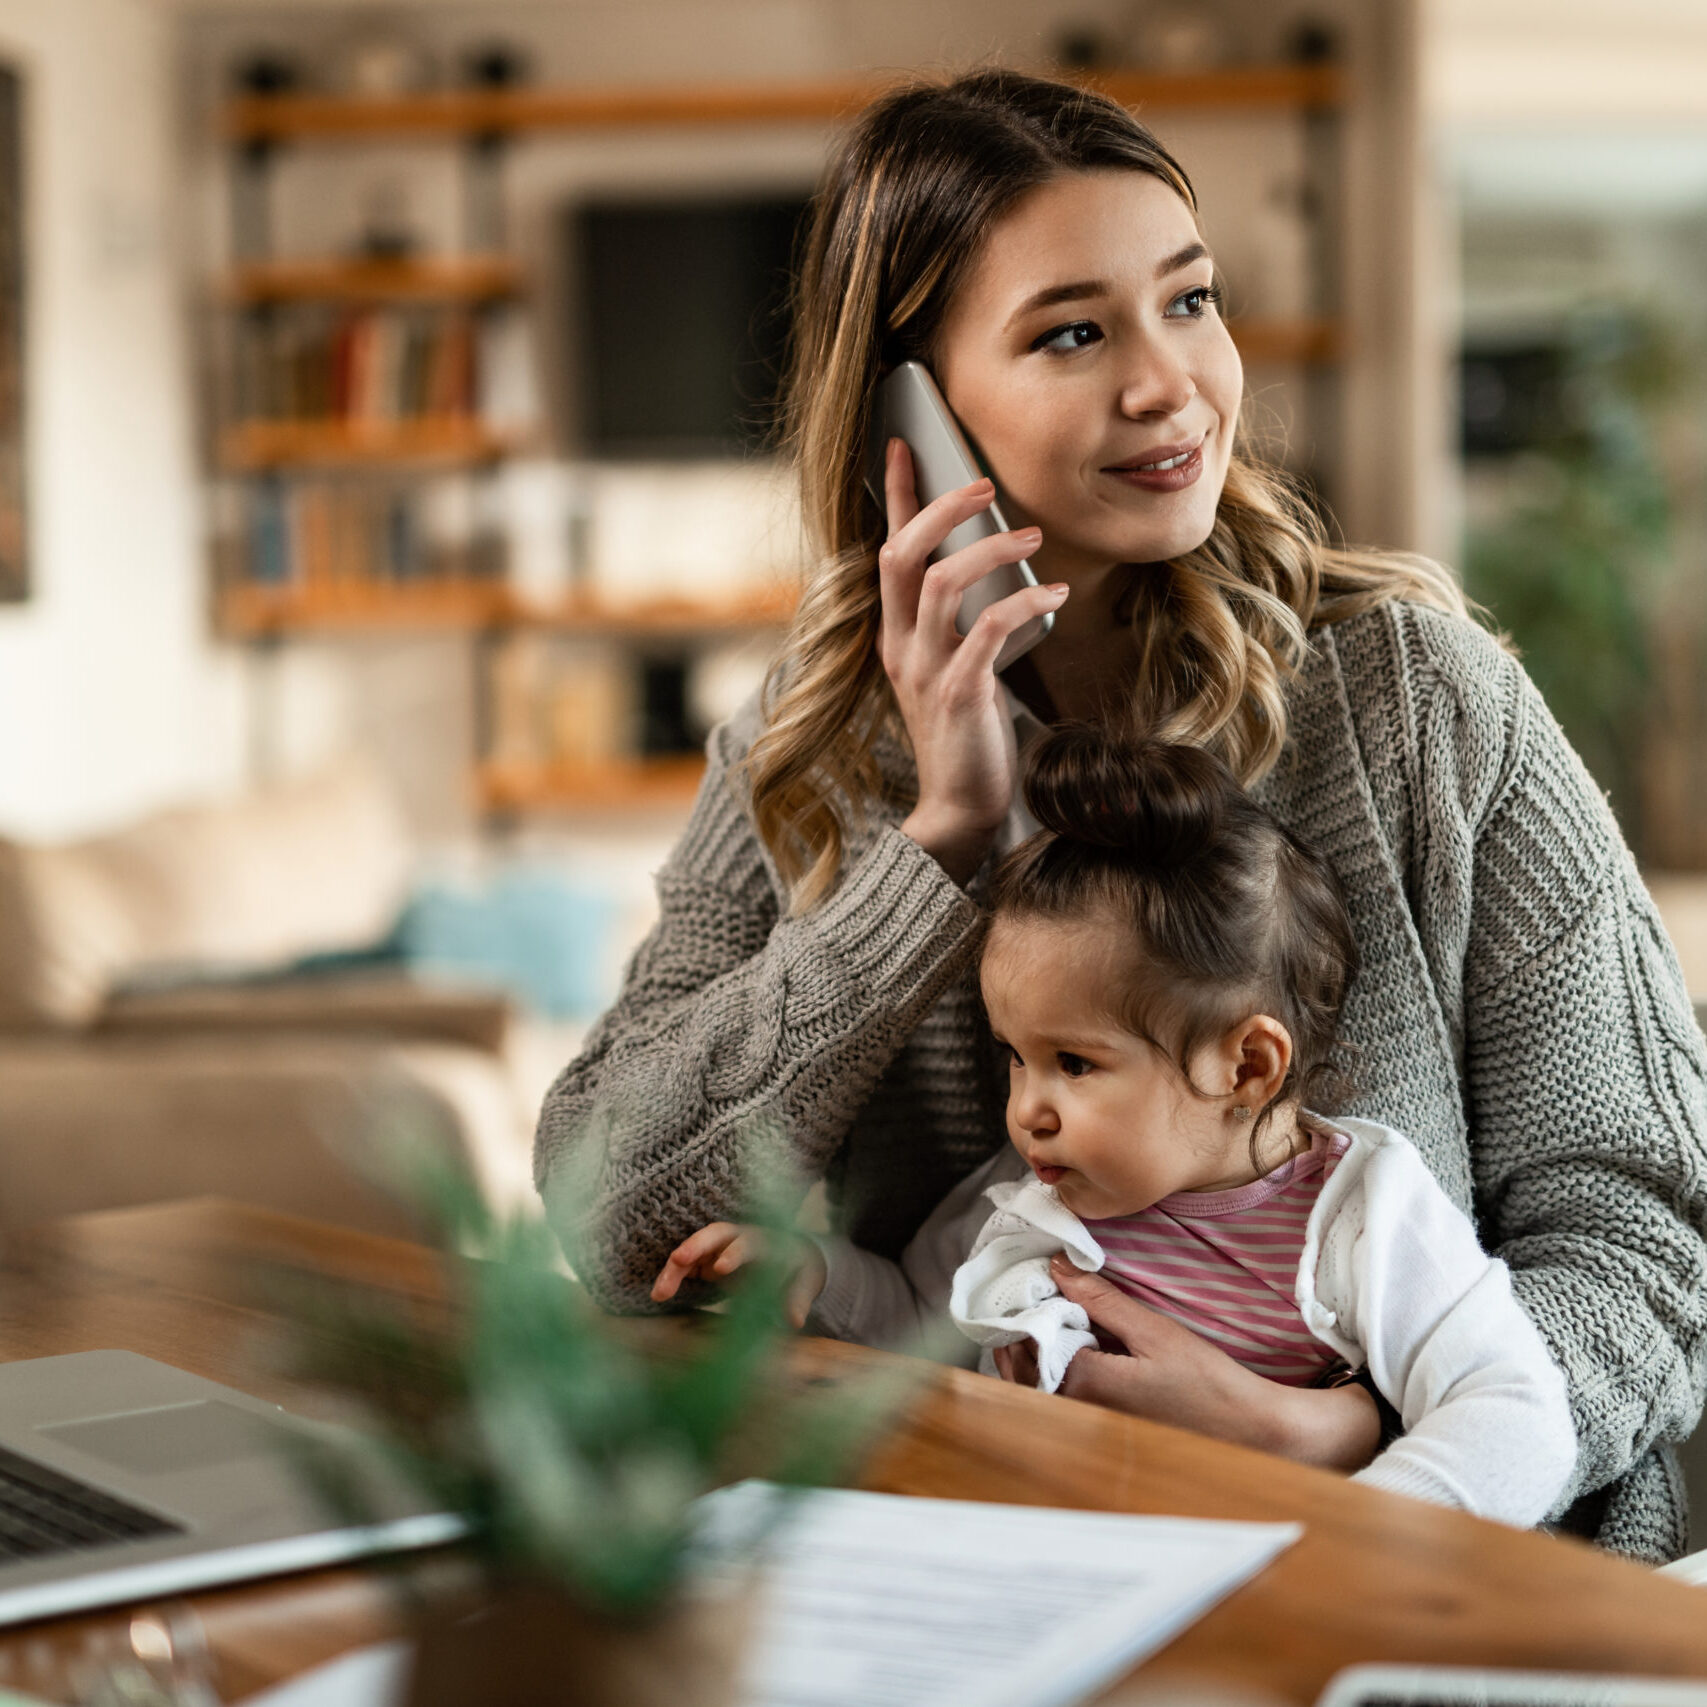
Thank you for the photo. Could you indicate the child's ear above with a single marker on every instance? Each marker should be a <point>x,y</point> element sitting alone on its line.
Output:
<point>1258,1056</point>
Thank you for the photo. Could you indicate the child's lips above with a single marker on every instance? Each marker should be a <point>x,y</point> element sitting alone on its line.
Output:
<point>1049,1175</point>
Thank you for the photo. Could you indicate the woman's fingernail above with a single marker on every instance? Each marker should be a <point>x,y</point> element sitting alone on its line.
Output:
<point>1060,589</point>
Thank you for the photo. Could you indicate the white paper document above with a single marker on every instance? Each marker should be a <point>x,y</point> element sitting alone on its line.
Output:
<point>368,1677</point>
<point>878,1600</point>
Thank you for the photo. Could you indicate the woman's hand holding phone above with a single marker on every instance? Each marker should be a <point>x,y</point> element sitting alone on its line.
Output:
<point>945,684</point>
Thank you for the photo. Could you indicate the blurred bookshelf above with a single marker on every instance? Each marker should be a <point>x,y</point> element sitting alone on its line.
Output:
<point>448,278</point>
<point>483,113</point>
<point>370,404</point>
<point>457,441</point>
<point>626,785</point>
<point>1305,342</point>
<point>460,603</point>
<point>452,604</point>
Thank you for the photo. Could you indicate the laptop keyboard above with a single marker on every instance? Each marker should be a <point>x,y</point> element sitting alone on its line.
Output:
<point>43,1512</point>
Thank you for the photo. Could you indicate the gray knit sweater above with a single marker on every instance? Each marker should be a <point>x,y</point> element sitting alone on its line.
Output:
<point>1519,1012</point>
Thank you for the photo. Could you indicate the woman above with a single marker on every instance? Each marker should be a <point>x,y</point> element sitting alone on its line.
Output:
<point>1518,1010</point>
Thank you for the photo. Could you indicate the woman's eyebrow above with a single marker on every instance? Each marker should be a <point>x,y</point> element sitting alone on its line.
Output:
<point>1082,289</point>
<point>1191,252</point>
<point>1058,293</point>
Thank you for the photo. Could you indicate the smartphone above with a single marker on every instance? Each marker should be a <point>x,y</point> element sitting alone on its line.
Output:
<point>1468,1686</point>
<point>909,407</point>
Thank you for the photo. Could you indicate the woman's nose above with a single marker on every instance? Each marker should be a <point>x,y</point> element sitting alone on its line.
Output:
<point>1158,382</point>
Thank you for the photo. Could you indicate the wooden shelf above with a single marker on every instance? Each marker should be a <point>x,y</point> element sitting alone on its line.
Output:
<point>1304,341</point>
<point>255,447</point>
<point>1310,87</point>
<point>376,607</point>
<point>249,611</point>
<point>474,278</point>
<point>617,785</point>
<point>588,613</point>
<point>462,113</point>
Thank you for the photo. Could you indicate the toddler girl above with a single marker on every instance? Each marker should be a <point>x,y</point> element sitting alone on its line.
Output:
<point>1165,969</point>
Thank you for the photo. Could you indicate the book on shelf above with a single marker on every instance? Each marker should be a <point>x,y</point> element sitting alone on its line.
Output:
<point>375,366</point>
<point>329,533</point>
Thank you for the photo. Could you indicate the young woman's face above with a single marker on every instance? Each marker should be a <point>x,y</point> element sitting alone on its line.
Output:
<point>1085,357</point>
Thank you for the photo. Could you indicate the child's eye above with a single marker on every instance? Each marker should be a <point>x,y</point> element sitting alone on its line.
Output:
<point>1079,335</point>
<point>1193,304</point>
<point>1074,1066</point>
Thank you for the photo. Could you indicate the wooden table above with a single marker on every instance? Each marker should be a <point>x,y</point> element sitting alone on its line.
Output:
<point>1375,1577</point>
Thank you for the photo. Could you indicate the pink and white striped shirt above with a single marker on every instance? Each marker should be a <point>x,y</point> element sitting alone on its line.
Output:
<point>1225,1263</point>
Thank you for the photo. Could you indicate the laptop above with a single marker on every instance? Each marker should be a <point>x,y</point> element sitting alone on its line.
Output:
<point>122,1479</point>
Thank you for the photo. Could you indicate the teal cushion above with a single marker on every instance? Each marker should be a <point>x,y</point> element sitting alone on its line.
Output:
<point>533,933</point>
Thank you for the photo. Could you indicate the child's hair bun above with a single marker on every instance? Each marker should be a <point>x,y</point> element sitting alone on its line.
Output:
<point>1160,803</point>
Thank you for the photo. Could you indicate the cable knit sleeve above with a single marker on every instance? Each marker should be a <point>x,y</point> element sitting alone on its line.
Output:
<point>736,1029</point>
<point>1586,1091</point>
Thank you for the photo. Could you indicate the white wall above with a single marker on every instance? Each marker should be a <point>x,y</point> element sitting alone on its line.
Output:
<point>112,697</point>
<point>1516,64</point>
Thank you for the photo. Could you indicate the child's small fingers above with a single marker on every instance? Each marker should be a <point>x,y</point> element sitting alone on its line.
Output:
<point>696,1247</point>
<point>740,1250</point>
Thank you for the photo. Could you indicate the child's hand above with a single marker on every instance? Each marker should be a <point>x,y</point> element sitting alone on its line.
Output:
<point>716,1252</point>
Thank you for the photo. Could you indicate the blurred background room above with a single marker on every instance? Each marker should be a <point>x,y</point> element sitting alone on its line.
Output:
<point>388,505</point>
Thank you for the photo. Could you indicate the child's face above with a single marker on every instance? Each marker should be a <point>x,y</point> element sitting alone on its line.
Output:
<point>1097,1112</point>
<point>1082,348</point>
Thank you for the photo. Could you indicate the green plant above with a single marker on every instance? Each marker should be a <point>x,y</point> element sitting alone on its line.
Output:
<point>1579,564</point>
<point>573,1445</point>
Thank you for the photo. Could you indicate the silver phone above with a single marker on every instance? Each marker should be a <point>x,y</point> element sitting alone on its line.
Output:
<point>1472,1686</point>
<point>909,407</point>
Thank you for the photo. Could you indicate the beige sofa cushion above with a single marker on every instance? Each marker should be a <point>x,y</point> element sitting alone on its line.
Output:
<point>305,1124</point>
<point>375,1005</point>
<point>311,867</point>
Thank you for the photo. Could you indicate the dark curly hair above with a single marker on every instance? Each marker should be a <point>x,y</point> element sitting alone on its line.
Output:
<point>1229,912</point>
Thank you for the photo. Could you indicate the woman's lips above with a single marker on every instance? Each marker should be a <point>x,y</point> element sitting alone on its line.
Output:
<point>1172,471</point>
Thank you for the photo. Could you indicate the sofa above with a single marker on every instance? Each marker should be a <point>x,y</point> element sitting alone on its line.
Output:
<point>189,1006</point>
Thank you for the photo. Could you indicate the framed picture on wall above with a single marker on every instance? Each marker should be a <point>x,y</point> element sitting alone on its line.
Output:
<point>14,538</point>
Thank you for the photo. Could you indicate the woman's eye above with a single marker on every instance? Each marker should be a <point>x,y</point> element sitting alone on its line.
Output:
<point>1014,1060</point>
<point>1078,336</point>
<point>1193,304</point>
<point>1074,1066</point>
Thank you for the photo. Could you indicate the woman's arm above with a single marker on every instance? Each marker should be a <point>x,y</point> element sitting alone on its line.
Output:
<point>1486,1417</point>
<point>1586,1091</point>
<point>742,1043</point>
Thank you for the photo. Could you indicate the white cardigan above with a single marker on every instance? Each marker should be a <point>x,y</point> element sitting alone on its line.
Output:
<point>1391,1276</point>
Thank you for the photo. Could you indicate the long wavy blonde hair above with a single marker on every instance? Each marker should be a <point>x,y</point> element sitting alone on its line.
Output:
<point>906,203</point>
